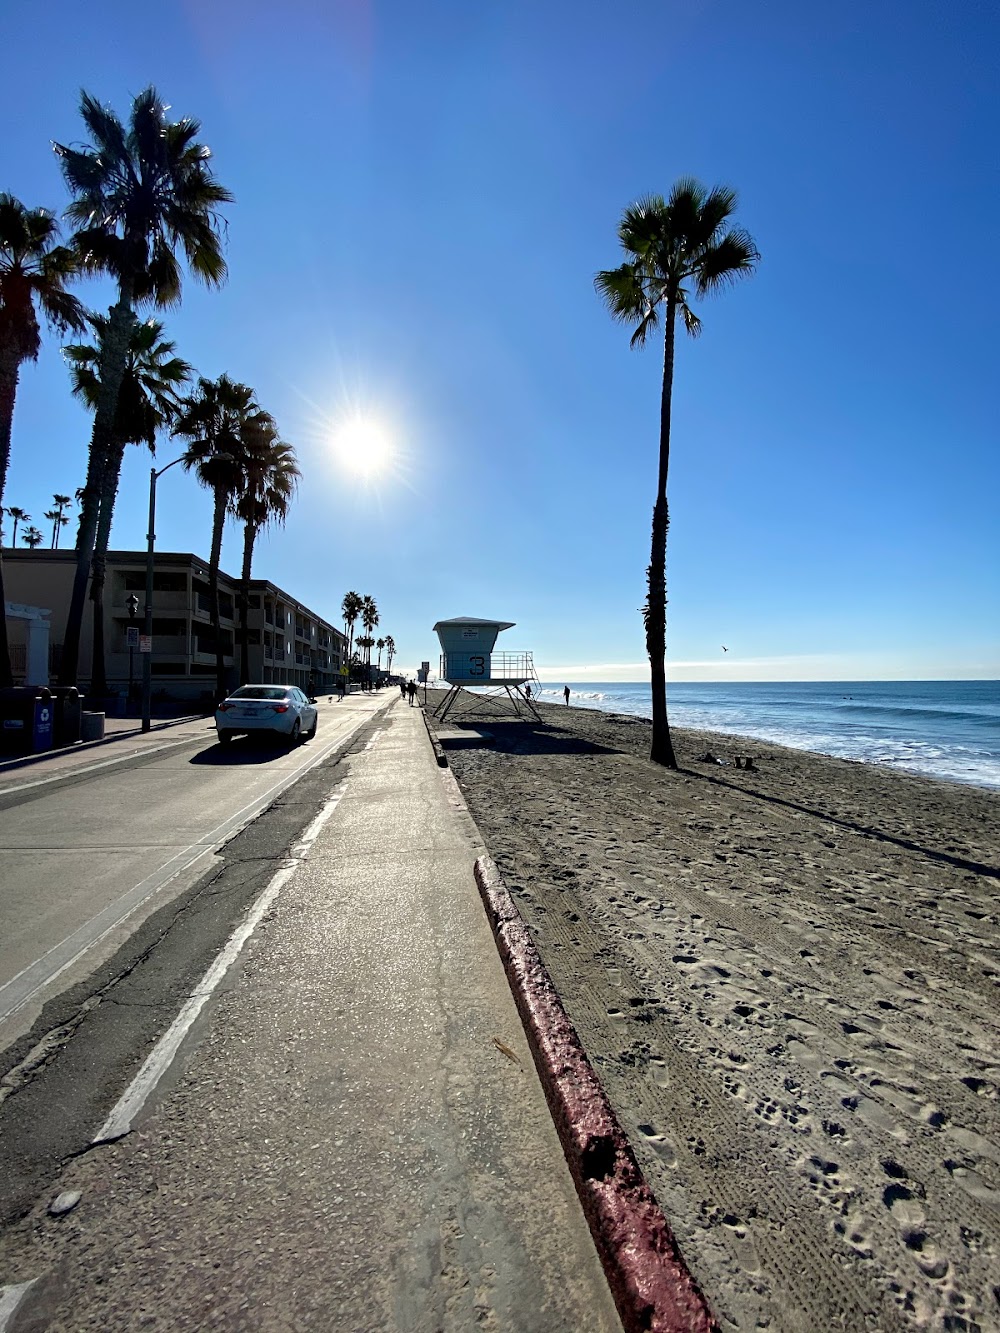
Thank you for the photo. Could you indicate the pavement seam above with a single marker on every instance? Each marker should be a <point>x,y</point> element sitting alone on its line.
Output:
<point>122,1116</point>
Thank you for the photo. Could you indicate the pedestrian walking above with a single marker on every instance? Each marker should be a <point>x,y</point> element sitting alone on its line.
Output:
<point>411,690</point>
<point>402,689</point>
<point>566,693</point>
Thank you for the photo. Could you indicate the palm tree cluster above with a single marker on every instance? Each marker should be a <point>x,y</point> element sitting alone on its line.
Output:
<point>144,198</point>
<point>355,607</point>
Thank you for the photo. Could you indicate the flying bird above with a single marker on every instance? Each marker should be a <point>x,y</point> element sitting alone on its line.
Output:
<point>725,649</point>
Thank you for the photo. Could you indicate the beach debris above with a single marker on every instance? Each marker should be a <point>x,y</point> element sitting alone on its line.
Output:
<point>745,761</point>
<point>64,1203</point>
<point>709,758</point>
<point>504,1049</point>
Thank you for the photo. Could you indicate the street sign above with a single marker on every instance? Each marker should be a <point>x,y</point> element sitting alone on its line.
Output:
<point>132,637</point>
<point>345,671</point>
<point>145,643</point>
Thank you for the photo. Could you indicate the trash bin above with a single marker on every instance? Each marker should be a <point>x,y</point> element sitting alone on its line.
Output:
<point>92,726</point>
<point>68,708</point>
<point>25,719</point>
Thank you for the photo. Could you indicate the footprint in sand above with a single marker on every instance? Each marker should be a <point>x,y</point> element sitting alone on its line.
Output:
<point>907,1212</point>
<point>660,1143</point>
<point>659,1072</point>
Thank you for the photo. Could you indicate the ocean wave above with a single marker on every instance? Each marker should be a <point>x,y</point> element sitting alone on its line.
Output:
<point>948,738</point>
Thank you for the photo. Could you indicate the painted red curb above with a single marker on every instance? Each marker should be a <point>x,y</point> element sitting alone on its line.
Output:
<point>649,1280</point>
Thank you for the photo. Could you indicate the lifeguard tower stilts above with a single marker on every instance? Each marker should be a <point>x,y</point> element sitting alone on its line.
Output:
<point>468,661</point>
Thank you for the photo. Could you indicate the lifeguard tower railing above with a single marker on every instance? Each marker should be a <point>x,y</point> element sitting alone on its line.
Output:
<point>487,668</point>
<point>490,675</point>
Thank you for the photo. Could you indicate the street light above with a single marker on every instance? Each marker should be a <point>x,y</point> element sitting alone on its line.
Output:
<point>154,476</point>
<point>147,678</point>
<point>132,602</point>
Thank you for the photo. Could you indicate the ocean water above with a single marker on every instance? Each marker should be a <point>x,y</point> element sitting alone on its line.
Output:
<point>941,728</point>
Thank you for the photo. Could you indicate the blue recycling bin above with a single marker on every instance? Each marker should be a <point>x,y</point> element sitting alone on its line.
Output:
<point>26,718</point>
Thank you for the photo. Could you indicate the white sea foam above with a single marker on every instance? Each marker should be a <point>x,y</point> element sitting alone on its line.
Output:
<point>940,729</point>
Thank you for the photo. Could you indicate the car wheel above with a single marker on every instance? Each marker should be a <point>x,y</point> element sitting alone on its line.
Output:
<point>296,733</point>
<point>311,733</point>
<point>225,737</point>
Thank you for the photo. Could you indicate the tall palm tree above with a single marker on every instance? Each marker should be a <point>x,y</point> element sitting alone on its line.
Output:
<point>364,643</point>
<point>369,618</point>
<point>59,502</point>
<point>55,517</point>
<point>32,538</point>
<point>141,193</point>
<point>350,608</point>
<point>270,479</point>
<point>219,421</point>
<point>390,650</point>
<point>379,644</point>
<point>147,402</point>
<point>19,516</point>
<point>34,271</point>
<point>685,238</point>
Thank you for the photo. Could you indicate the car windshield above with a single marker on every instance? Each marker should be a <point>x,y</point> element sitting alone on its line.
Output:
<point>259,692</point>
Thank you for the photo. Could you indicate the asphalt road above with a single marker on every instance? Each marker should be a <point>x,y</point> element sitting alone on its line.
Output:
<point>119,881</point>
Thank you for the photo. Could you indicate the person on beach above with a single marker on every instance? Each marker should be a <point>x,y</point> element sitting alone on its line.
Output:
<point>411,690</point>
<point>566,694</point>
<point>527,692</point>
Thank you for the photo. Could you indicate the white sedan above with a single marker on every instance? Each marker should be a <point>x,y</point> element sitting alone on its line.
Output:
<point>281,709</point>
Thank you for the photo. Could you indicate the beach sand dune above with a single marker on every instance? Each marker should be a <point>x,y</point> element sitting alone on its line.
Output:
<point>789,984</point>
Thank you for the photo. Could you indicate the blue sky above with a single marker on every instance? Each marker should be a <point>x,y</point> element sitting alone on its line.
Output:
<point>423,195</point>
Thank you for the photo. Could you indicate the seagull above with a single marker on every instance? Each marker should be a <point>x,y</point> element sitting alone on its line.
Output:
<point>725,649</point>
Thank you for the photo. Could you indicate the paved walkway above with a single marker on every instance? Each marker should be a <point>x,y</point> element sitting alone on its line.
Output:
<point>355,1138</point>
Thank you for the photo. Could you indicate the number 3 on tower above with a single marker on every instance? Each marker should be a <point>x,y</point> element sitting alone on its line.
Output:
<point>477,666</point>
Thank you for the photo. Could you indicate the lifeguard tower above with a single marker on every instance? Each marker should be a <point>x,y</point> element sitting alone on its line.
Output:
<point>468,662</point>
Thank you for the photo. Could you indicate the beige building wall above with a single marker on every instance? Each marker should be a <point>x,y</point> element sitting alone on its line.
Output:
<point>288,643</point>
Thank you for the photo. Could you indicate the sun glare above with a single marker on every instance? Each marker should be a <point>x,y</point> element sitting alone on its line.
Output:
<point>363,447</point>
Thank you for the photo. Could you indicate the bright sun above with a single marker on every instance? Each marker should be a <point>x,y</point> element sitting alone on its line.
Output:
<point>363,447</point>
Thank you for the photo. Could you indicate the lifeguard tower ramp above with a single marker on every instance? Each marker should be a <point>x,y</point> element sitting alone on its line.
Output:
<point>468,662</point>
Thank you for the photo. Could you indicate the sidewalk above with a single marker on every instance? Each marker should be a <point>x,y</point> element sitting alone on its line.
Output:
<point>357,1140</point>
<point>119,733</point>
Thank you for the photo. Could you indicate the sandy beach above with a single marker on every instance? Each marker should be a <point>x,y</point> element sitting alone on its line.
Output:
<point>789,983</point>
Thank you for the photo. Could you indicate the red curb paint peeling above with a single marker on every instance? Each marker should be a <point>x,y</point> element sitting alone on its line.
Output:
<point>651,1284</point>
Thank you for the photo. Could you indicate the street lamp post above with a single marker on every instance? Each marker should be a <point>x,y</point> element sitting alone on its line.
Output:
<point>132,602</point>
<point>147,677</point>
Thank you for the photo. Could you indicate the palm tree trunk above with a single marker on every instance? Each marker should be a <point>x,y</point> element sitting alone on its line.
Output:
<point>8,392</point>
<point>218,522</point>
<point>249,537</point>
<point>114,354</point>
<point>112,473</point>
<point>661,750</point>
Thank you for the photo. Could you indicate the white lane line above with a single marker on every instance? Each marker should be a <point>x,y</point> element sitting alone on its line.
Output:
<point>10,1298</point>
<point>121,1119</point>
<point>21,988</point>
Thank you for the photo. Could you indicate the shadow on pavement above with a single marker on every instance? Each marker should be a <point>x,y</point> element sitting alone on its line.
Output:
<point>242,751</point>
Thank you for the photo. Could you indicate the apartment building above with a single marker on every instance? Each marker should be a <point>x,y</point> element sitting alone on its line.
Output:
<point>289,643</point>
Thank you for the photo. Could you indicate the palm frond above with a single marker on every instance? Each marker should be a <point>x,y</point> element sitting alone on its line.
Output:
<point>732,257</point>
<point>623,292</point>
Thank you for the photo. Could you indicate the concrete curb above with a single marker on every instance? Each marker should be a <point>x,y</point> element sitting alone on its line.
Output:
<point>650,1283</point>
<point>439,754</point>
